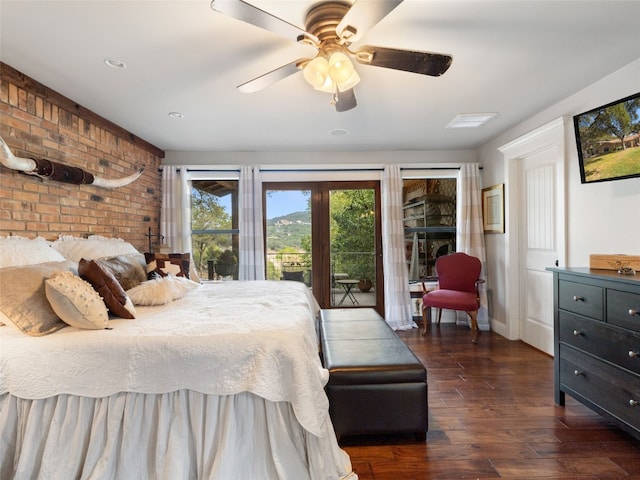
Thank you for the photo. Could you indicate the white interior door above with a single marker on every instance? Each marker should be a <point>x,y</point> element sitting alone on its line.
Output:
<point>535,231</point>
<point>538,235</point>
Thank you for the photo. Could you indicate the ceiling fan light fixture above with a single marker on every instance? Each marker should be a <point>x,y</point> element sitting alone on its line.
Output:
<point>328,86</point>
<point>316,72</point>
<point>340,67</point>
<point>350,82</point>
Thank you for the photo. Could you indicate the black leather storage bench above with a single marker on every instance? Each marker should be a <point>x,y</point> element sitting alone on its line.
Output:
<point>376,384</point>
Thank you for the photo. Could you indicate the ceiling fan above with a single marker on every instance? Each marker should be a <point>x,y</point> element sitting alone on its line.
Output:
<point>332,26</point>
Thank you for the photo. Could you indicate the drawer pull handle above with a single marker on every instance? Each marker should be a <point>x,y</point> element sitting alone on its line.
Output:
<point>578,299</point>
<point>576,333</point>
<point>633,403</point>
<point>633,312</point>
<point>577,373</point>
<point>633,354</point>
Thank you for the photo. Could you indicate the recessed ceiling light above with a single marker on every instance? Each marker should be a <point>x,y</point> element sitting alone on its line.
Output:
<point>338,132</point>
<point>115,63</point>
<point>470,120</point>
<point>176,115</point>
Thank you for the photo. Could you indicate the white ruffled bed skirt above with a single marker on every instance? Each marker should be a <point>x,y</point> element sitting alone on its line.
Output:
<point>173,436</point>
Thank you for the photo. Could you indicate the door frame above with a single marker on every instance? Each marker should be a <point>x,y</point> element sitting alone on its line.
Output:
<point>549,135</point>
<point>319,231</point>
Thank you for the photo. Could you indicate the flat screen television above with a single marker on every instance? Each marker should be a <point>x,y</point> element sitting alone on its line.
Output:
<point>608,140</point>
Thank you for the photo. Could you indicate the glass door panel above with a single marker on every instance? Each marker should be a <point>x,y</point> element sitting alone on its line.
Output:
<point>288,235</point>
<point>352,247</point>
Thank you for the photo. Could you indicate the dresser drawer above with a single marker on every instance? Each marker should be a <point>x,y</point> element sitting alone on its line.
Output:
<point>623,309</point>
<point>599,339</point>
<point>581,298</point>
<point>611,389</point>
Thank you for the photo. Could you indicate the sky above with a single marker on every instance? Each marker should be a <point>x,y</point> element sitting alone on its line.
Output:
<point>282,202</point>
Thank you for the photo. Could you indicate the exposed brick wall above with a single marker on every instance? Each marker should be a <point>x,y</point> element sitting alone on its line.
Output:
<point>37,122</point>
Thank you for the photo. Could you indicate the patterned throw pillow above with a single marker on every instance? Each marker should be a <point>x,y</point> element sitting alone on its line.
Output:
<point>75,301</point>
<point>163,264</point>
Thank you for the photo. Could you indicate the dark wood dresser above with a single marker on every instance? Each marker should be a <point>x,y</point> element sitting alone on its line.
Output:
<point>597,342</point>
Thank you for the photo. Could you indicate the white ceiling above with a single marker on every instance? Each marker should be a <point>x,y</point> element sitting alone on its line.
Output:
<point>514,58</point>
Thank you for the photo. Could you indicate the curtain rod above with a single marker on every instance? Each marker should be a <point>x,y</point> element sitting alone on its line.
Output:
<point>433,168</point>
<point>305,170</point>
<point>429,168</point>
<point>201,169</point>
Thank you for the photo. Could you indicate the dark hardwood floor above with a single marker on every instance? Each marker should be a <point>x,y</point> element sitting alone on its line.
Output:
<point>492,415</point>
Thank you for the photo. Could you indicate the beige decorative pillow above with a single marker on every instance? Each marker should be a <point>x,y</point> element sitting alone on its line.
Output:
<point>161,291</point>
<point>76,302</point>
<point>23,299</point>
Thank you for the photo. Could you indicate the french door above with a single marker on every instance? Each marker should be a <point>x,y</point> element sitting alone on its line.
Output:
<point>327,235</point>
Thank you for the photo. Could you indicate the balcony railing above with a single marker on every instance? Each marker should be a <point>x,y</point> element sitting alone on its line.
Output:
<point>353,265</point>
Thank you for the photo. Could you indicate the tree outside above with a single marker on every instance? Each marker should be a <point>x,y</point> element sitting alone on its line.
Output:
<point>353,233</point>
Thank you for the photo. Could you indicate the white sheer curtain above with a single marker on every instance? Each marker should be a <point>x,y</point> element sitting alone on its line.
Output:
<point>175,213</point>
<point>396,279</point>
<point>251,261</point>
<point>470,236</point>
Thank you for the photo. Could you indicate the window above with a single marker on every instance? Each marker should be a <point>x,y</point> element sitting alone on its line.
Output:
<point>429,211</point>
<point>214,228</point>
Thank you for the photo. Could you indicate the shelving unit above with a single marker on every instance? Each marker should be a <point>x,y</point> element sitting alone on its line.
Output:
<point>429,223</point>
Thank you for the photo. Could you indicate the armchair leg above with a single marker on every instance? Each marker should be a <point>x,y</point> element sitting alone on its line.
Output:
<point>426,319</point>
<point>474,325</point>
<point>439,315</point>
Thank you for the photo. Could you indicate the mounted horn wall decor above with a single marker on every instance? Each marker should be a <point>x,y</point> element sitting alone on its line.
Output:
<point>62,173</point>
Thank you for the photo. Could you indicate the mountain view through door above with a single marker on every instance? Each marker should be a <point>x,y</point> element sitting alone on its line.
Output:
<point>324,237</point>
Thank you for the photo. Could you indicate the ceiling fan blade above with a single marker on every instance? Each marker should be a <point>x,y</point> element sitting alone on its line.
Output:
<point>241,10</point>
<point>362,16</point>
<point>424,63</point>
<point>271,77</point>
<point>345,100</point>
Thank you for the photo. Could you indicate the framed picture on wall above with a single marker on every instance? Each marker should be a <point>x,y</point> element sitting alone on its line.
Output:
<point>493,209</point>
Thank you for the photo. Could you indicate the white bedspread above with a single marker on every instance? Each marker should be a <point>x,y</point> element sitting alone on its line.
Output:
<point>222,339</point>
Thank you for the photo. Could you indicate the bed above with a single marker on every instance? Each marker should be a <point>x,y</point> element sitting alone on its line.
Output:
<point>224,382</point>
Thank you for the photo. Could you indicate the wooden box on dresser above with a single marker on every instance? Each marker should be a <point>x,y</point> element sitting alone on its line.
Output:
<point>597,342</point>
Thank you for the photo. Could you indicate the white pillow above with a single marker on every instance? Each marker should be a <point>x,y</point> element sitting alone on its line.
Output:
<point>76,302</point>
<point>75,248</point>
<point>21,251</point>
<point>160,291</point>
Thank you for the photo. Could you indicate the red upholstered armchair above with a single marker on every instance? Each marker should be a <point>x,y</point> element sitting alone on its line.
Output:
<point>458,276</point>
